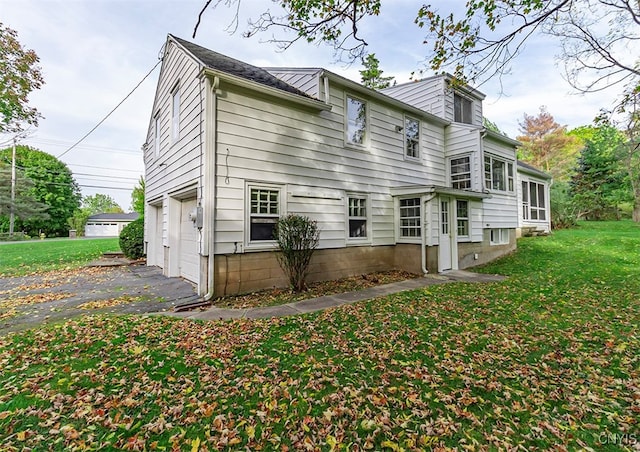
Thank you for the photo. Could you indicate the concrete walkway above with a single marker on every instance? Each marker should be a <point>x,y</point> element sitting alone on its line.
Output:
<point>329,301</point>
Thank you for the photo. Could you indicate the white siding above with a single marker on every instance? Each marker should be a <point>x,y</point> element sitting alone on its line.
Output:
<point>501,210</point>
<point>305,80</point>
<point>177,164</point>
<point>265,141</point>
<point>427,95</point>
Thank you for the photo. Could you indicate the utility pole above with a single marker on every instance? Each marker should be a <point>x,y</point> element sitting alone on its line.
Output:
<point>13,188</point>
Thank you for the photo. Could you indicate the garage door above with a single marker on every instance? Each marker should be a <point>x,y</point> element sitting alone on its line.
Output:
<point>101,230</point>
<point>188,254</point>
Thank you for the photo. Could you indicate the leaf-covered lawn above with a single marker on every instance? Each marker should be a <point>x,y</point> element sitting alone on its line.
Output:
<point>549,359</point>
<point>22,258</point>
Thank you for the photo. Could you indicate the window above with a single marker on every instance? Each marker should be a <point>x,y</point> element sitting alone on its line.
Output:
<point>462,216</point>
<point>356,121</point>
<point>156,135</point>
<point>357,217</point>
<point>462,109</point>
<point>537,210</point>
<point>461,173</point>
<point>498,174</point>
<point>175,114</point>
<point>525,200</point>
<point>412,137</point>
<point>499,237</point>
<point>264,213</point>
<point>410,217</point>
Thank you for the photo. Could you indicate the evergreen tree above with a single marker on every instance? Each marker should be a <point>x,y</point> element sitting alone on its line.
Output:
<point>371,75</point>
<point>599,184</point>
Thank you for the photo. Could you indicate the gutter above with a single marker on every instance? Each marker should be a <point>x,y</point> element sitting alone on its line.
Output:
<point>212,84</point>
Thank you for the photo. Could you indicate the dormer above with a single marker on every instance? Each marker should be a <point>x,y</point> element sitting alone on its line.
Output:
<point>440,96</point>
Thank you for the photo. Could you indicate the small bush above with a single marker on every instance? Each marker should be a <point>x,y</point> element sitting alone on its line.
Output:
<point>297,237</point>
<point>132,239</point>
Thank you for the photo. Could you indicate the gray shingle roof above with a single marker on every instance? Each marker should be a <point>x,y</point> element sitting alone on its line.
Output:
<point>114,216</point>
<point>223,63</point>
<point>533,169</point>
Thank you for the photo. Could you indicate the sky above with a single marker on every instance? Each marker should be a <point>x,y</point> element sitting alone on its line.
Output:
<point>94,53</point>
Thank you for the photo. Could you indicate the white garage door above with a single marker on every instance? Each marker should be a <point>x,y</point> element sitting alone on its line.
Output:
<point>101,230</point>
<point>188,253</point>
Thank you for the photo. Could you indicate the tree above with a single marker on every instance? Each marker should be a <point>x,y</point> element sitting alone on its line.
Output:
<point>600,184</point>
<point>100,203</point>
<point>594,35</point>
<point>25,206</point>
<point>547,145</point>
<point>137,197</point>
<point>19,75</point>
<point>53,185</point>
<point>372,74</point>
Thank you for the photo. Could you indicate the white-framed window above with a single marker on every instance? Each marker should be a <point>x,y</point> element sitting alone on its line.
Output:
<point>411,138</point>
<point>175,113</point>
<point>156,135</point>
<point>462,217</point>
<point>498,174</point>
<point>461,172</point>
<point>462,109</point>
<point>534,205</point>
<point>499,236</point>
<point>410,225</point>
<point>356,117</point>
<point>264,211</point>
<point>358,217</point>
<point>525,200</point>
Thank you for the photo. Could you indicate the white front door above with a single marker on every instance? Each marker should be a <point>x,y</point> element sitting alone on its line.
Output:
<point>444,253</point>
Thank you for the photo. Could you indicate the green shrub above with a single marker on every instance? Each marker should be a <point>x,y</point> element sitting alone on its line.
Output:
<point>132,239</point>
<point>297,238</point>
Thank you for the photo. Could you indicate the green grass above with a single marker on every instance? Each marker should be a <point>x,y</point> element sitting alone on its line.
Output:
<point>548,359</point>
<point>21,258</point>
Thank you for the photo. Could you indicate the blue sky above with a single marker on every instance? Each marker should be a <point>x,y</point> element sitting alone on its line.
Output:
<point>93,53</point>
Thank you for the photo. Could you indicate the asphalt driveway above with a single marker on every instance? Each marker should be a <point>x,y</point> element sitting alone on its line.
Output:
<point>29,301</point>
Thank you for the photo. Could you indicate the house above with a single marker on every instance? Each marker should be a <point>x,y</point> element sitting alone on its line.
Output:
<point>108,224</point>
<point>406,178</point>
<point>534,200</point>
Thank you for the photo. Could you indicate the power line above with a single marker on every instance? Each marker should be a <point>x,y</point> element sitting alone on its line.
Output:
<point>104,168</point>
<point>93,147</point>
<point>111,112</point>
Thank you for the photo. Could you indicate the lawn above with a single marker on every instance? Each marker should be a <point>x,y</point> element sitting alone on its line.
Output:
<point>548,359</point>
<point>22,258</point>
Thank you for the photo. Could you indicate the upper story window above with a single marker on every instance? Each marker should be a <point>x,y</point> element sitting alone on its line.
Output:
<point>156,135</point>
<point>175,113</point>
<point>410,217</point>
<point>264,212</point>
<point>533,201</point>
<point>358,218</point>
<point>498,174</point>
<point>462,109</point>
<point>411,137</point>
<point>461,173</point>
<point>356,121</point>
<point>462,217</point>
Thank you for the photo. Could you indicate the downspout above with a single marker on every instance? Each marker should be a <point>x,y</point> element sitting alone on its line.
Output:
<point>211,172</point>
<point>423,248</point>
